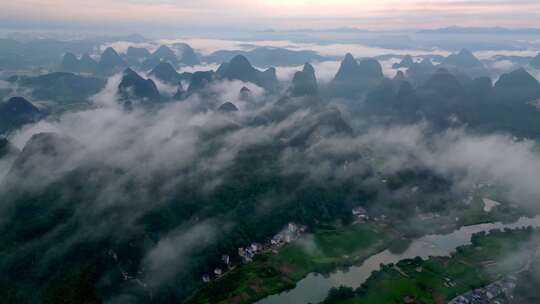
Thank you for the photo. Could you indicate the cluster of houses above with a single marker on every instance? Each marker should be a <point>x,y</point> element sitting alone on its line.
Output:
<point>291,233</point>
<point>361,216</point>
<point>496,293</point>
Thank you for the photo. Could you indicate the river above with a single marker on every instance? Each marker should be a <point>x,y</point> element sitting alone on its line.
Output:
<point>314,288</point>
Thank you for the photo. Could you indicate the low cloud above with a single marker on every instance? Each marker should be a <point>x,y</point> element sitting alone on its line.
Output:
<point>387,67</point>
<point>172,254</point>
<point>165,89</point>
<point>200,67</point>
<point>496,158</point>
<point>489,54</point>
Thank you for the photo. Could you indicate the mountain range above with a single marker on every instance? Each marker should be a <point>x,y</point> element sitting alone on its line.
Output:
<point>61,87</point>
<point>165,72</point>
<point>265,57</point>
<point>354,78</point>
<point>16,112</point>
<point>239,68</point>
<point>135,88</point>
<point>86,217</point>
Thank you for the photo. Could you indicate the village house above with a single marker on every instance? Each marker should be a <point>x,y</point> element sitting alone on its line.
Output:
<point>488,294</point>
<point>360,214</point>
<point>218,272</point>
<point>246,254</point>
<point>256,248</point>
<point>290,233</point>
<point>277,239</point>
<point>226,259</point>
<point>292,227</point>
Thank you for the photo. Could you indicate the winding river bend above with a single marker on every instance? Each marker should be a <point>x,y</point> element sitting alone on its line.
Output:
<point>314,288</point>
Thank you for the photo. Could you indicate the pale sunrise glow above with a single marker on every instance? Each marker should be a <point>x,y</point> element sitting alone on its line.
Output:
<point>371,14</point>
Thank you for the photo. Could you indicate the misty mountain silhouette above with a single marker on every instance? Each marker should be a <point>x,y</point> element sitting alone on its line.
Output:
<point>420,72</point>
<point>239,68</point>
<point>43,157</point>
<point>165,72</point>
<point>162,54</point>
<point>400,76</point>
<point>268,56</point>
<point>199,81</point>
<point>110,62</point>
<point>304,82</point>
<point>535,62</point>
<point>6,148</point>
<point>62,87</point>
<point>70,63</point>
<point>406,62</point>
<point>186,54</point>
<point>355,78</point>
<point>136,56</point>
<point>245,94</point>
<point>463,59</point>
<point>16,112</point>
<point>444,83</point>
<point>227,108</point>
<point>87,64</point>
<point>517,86</point>
<point>135,88</point>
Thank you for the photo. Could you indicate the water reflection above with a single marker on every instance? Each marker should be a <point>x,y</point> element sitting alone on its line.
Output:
<point>314,288</point>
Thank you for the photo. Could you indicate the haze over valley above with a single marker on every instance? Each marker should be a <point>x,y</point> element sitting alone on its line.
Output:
<point>268,152</point>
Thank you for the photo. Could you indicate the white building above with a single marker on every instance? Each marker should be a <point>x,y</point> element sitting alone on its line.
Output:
<point>292,227</point>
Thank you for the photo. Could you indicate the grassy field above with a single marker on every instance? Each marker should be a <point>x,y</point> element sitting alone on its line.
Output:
<point>321,251</point>
<point>438,280</point>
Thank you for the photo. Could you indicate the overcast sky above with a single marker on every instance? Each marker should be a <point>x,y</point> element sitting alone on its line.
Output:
<point>263,14</point>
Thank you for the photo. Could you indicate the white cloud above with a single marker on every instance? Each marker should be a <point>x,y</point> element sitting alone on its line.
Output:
<point>200,67</point>
<point>492,53</point>
<point>121,47</point>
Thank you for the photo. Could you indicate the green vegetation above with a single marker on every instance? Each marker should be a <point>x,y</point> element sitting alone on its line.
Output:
<point>331,246</point>
<point>463,214</point>
<point>438,280</point>
<point>475,213</point>
<point>336,295</point>
<point>324,250</point>
<point>527,285</point>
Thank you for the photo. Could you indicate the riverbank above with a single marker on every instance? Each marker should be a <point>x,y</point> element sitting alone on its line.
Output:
<point>327,248</point>
<point>490,258</point>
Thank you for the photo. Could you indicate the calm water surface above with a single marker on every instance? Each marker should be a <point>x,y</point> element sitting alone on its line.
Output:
<point>314,288</point>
